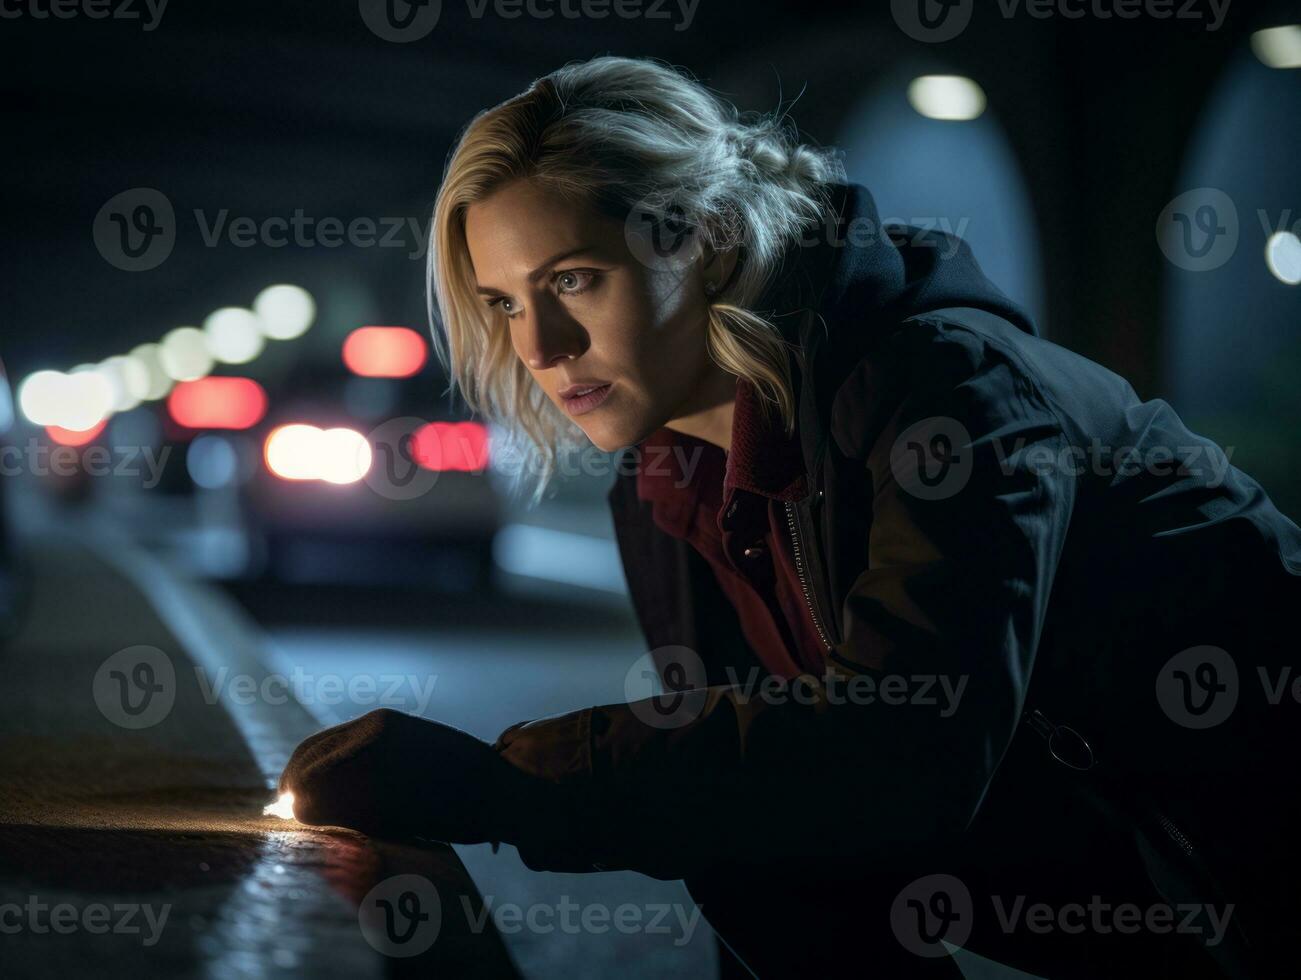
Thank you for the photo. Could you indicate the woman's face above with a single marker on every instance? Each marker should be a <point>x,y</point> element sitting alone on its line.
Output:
<point>617,344</point>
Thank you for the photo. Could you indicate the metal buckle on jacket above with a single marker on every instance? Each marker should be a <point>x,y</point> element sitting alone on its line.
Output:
<point>1065,744</point>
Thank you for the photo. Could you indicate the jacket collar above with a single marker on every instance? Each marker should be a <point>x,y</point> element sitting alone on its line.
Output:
<point>763,461</point>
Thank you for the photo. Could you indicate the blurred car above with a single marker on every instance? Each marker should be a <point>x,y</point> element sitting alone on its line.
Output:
<point>357,480</point>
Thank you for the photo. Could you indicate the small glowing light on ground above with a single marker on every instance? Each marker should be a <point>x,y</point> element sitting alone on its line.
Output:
<point>282,808</point>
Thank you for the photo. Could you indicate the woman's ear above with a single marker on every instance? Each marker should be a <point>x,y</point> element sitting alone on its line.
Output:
<point>719,268</point>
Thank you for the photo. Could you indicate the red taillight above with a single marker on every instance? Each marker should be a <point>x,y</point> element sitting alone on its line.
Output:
<point>217,403</point>
<point>451,446</point>
<point>75,437</point>
<point>384,352</point>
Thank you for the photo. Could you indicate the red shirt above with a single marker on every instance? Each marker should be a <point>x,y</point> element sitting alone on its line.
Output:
<point>731,507</point>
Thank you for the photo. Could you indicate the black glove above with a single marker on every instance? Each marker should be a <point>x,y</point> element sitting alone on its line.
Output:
<point>391,774</point>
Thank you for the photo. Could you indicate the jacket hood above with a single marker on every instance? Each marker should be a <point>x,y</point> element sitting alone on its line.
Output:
<point>862,276</point>
<point>852,280</point>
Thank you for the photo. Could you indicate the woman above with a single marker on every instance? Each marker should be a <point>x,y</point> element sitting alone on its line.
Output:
<point>960,616</point>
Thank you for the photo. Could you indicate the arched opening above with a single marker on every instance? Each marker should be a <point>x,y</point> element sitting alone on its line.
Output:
<point>1233,348</point>
<point>958,175</point>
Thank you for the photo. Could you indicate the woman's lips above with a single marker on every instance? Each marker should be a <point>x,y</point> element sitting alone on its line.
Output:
<point>584,398</point>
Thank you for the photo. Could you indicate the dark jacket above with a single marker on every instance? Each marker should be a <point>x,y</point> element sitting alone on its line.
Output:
<point>964,527</point>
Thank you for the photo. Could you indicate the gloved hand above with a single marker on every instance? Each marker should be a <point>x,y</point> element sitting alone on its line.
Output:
<point>393,774</point>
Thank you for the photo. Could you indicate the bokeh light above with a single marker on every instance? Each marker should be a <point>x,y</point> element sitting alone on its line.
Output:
<point>184,354</point>
<point>384,352</point>
<point>234,335</point>
<point>305,452</point>
<point>950,98</point>
<point>1283,256</point>
<point>218,403</point>
<point>284,311</point>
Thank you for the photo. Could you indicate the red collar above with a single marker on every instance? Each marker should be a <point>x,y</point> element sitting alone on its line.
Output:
<point>763,460</point>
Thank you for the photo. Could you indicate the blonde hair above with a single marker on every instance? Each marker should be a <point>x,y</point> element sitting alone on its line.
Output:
<point>617,133</point>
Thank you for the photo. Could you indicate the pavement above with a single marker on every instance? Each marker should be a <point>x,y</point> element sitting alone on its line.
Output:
<point>132,839</point>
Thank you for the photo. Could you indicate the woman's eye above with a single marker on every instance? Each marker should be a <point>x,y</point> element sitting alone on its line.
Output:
<point>574,281</point>
<point>507,306</point>
<point>569,283</point>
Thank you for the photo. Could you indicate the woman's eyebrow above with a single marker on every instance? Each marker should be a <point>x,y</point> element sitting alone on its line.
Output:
<point>537,273</point>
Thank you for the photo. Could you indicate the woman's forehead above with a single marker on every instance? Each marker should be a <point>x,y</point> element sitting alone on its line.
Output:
<point>516,231</point>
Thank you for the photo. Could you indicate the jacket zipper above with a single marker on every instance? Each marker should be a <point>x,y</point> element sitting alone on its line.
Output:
<point>1175,833</point>
<point>799,570</point>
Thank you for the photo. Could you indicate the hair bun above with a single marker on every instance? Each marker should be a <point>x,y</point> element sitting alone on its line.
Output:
<point>768,152</point>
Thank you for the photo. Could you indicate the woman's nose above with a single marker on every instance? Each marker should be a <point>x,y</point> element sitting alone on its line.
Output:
<point>552,336</point>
